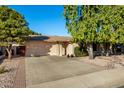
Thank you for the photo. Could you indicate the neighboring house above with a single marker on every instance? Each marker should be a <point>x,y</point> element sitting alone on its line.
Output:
<point>49,45</point>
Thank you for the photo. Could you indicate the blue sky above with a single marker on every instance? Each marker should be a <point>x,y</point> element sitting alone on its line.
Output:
<point>47,20</point>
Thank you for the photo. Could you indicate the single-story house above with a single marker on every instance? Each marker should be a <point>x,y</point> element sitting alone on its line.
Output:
<point>39,45</point>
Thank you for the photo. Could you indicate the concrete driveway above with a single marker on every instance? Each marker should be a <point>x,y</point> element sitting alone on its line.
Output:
<point>51,68</point>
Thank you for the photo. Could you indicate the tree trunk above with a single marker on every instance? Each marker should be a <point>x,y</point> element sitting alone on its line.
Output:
<point>111,49</point>
<point>90,51</point>
<point>115,51</point>
<point>9,51</point>
<point>102,49</point>
<point>107,49</point>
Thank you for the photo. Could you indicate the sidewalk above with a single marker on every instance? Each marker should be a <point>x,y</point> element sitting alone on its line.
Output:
<point>20,81</point>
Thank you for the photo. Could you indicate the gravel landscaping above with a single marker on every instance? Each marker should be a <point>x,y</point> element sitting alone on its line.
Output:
<point>116,60</point>
<point>7,78</point>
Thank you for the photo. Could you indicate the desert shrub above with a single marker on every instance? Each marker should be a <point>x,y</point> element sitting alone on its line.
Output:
<point>3,69</point>
<point>79,52</point>
<point>72,55</point>
<point>68,56</point>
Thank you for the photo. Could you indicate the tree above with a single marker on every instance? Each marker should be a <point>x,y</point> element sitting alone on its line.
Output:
<point>81,23</point>
<point>13,28</point>
<point>104,27</point>
<point>111,22</point>
<point>95,24</point>
<point>35,33</point>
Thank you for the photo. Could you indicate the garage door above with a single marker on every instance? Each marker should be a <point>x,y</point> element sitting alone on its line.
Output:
<point>41,49</point>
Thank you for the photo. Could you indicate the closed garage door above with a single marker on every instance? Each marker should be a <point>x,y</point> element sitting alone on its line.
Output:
<point>34,48</point>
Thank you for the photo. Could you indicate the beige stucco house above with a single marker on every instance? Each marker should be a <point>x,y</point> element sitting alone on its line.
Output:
<point>49,45</point>
<point>39,45</point>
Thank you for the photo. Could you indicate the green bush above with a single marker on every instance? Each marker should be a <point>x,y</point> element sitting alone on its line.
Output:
<point>79,52</point>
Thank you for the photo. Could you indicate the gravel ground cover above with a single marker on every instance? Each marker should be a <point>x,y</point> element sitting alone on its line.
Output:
<point>117,60</point>
<point>7,78</point>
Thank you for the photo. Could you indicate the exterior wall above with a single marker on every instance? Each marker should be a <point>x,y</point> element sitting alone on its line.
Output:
<point>62,50</point>
<point>57,49</point>
<point>14,50</point>
<point>54,50</point>
<point>39,48</point>
<point>70,49</point>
